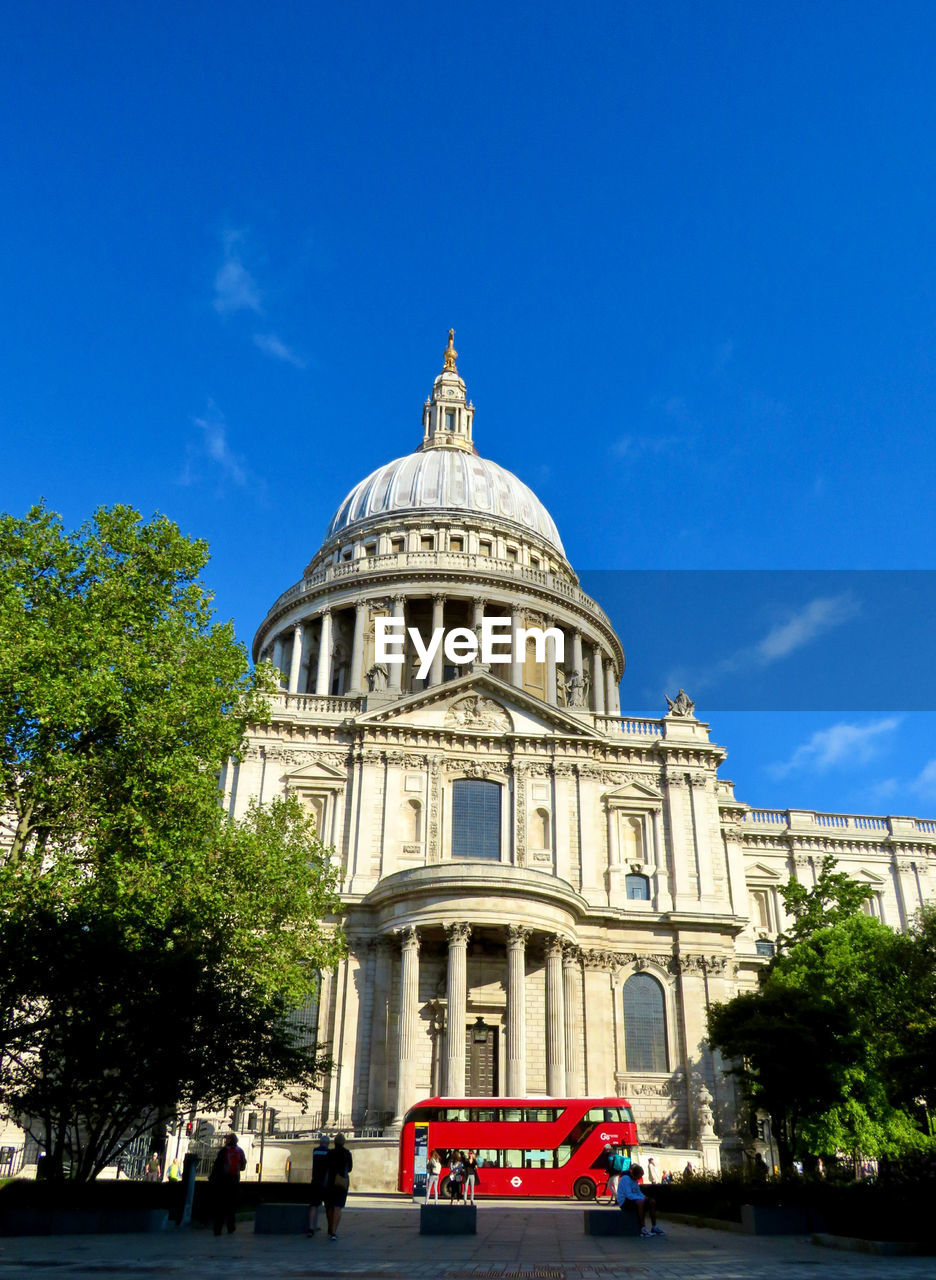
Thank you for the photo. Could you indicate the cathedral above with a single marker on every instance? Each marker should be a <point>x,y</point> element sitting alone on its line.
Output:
<point>541,895</point>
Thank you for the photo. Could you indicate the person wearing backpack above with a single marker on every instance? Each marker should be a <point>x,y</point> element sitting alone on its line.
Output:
<point>229,1163</point>
<point>618,1163</point>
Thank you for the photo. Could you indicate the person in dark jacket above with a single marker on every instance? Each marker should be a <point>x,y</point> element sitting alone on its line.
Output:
<point>317,1187</point>
<point>229,1163</point>
<point>337,1168</point>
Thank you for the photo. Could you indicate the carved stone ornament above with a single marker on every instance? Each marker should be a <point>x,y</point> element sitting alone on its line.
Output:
<point>555,945</point>
<point>681,705</point>
<point>477,712</point>
<point>408,937</point>
<point>456,933</point>
<point>518,935</point>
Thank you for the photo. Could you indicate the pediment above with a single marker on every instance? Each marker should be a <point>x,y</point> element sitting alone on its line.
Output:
<point>634,792</point>
<point>479,703</point>
<point>315,771</point>
<point>761,871</point>
<point>870,878</point>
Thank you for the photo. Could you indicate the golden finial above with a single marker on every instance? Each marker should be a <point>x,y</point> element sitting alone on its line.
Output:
<point>451,355</point>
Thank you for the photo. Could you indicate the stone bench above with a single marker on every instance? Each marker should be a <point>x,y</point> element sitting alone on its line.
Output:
<point>448,1220</point>
<point>611,1222</point>
<point>281,1219</point>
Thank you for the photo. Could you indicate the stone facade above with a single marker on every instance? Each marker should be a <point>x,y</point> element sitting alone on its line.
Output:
<point>537,944</point>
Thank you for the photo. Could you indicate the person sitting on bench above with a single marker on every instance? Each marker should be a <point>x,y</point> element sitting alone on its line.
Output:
<point>630,1196</point>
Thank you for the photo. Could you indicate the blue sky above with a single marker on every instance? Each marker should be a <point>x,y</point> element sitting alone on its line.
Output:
<point>687,250</point>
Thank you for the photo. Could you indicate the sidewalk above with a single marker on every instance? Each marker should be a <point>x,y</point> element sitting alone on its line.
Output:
<point>379,1238</point>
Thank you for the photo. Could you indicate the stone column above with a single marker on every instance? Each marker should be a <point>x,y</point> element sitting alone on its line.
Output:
<point>477,616</point>
<point>296,664</point>
<point>438,620</point>
<point>517,937</point>
<point>356,674</point>
<point>578,663</point>
<point>380,1029</point>
<point>570,972</point>
<point>395,679</point>
<point>597,684</point>
<point>555,1019</point>
<point>516,665</point>
<point>610,687</point>
<point>551,691</point>
<point>323,674</point>
<point>409,1021</point>
<point>278,656</point>
<point>456,992</point>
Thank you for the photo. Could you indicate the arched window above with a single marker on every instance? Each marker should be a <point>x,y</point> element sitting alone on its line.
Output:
<point>413,821</point>
<point>644,1024</point>
<point>476,819</point>
<point>631,840</point>
<point>637,887</point>
<point>539,830</point>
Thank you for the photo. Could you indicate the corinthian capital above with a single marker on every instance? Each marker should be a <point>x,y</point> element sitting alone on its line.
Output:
<point>517,935</point>
<point>457,933</point>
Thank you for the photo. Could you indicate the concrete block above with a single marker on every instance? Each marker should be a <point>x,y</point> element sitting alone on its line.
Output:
<point>64,1222</point>
<point>611,1222</point>
<point>448,1220</point>
<point>281,1219</point>
<point>780,1220</point>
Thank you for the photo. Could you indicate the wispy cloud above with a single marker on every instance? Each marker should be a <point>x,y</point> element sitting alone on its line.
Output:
<point>841,744</point>
<point>798,630</point>
<point>924,784</point>
<point>211,446</point>
<point>234,287</point>
<point>637,446</point>
<point>272,345</point>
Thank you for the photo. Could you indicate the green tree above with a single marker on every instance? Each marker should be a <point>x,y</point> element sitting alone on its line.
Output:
<point>150,950</point>
<point>833,898</point>
<point>818,1043</point>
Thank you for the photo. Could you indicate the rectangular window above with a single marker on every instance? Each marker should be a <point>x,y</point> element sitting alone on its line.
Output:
<point>397,545</point>
<point>764,948</point>
<point>484,548</point>
<point>426,544</point>
<point>511,554</point>
<point>476,819</point>
<point>456,544</point>
<point>370,548</point>
<point>450,419</point>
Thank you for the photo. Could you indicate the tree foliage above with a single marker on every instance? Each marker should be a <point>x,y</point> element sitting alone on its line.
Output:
<point>833,1044</point>
<point>150,949</point>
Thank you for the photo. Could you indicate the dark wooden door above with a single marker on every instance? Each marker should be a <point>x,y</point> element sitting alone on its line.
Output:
<point>481,1062</point>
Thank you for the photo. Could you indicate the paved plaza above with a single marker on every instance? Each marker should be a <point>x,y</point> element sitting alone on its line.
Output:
<point>379,1237</point>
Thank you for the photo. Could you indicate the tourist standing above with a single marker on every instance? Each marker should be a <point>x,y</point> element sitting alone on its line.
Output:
<point>317,1185</point>
<point>471,1176</point>
<point>338,1167</point>
<point>229,1164</point>
<point>433,1171</point>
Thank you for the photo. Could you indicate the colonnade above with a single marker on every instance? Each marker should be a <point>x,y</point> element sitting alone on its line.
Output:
<point>584,661</point>
<point>561,1003</point>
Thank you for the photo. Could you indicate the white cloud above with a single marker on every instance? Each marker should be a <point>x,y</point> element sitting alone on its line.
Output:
<point>798,630</point>
<point>235,288</point>
<point>924,784</point>
<point>212,445</point>
<point>635,446</point>
<point>271,345</point>
<point>840,744</point>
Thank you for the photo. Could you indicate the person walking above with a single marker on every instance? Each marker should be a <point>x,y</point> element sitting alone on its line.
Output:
<point>471,1176</point>
<point>433,1170</point>
<point>317,1185</point>
<point>230,1162</point>
<point>338,1167</point>
<point>630,1196</point>
<point>153,1171</point>
<point>174,1172</point>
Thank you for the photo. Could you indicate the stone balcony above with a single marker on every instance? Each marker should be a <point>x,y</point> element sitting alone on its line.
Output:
<point>383,568</point>
<point>858,826</point>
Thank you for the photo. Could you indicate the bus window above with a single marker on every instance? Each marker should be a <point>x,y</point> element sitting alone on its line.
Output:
<point>455,1113</point>
<point>540,1114</point>
<point>422,1115</point>
<point>563,1154</point>
<point>488,1158</point>
<point>538,1160</point>
<point>512,1159</point>
<point>512,1113</point>
<point>485,1115</point>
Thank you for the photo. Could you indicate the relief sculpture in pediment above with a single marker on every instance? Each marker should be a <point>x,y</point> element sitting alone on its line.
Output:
<point>476,712</point>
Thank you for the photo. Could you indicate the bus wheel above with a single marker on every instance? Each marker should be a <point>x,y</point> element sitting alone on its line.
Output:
<point>584,1189</point>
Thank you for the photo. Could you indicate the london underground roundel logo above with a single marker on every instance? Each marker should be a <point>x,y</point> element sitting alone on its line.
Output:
<point>516,1182</point>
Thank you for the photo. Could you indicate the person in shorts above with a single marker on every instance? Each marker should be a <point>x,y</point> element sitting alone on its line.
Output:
<point>630,1196</point>
<point>317,1184</point>
<point>338,1166</point>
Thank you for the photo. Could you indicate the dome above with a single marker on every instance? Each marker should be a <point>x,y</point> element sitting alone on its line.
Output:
<point>446,480</point>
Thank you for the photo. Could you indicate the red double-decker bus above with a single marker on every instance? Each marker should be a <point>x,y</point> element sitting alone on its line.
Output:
<point>525,1146</point>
